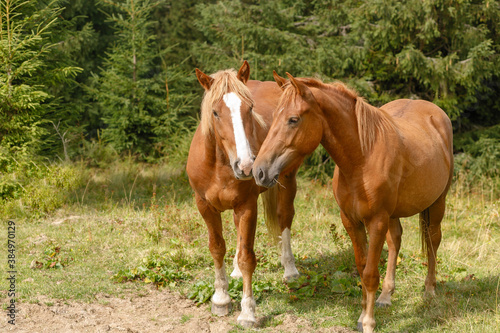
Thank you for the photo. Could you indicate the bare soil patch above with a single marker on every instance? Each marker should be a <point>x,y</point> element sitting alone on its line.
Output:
<point>157,311</point>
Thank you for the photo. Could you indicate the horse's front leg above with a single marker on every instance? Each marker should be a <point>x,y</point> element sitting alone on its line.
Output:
<point>357,233</point>
<point>393,238</point>
<point>377,229</point>
<point>246,215</point>
<point>221,301</point>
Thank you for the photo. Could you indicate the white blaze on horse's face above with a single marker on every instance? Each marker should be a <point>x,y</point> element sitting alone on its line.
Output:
<point>244,156</point>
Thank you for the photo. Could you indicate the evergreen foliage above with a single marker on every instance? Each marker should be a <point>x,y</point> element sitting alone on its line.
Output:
<point>128,91</point>
<point>442,51</point>
<point>28,73</point>
<point>90,77</point>
<point>132,90</point>
<point>436,50</point>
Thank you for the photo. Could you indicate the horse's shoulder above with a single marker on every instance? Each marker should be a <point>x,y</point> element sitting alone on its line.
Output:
<point>200,157</point>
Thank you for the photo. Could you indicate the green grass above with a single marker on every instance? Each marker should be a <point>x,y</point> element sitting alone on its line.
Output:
<point>125,227</point>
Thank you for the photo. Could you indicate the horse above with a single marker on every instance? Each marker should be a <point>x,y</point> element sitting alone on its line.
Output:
<point>235,116</point>
<point>391,162</point>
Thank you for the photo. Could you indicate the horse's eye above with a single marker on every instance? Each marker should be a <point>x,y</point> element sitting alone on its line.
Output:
<point>293,121</point>
<point>216,115</point>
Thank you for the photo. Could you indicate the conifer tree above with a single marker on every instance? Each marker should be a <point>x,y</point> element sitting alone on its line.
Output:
<point>27,72</point>
<point>132,88</point>
<point>441,51</point>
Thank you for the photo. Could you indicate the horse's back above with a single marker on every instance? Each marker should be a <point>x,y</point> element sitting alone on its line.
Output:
<point>416,111</point>
<point>266,95</point>
<point>423,119</point>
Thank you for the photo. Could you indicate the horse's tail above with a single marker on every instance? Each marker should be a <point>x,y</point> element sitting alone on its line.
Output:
<point>270,203</point>
<point>425,222</point>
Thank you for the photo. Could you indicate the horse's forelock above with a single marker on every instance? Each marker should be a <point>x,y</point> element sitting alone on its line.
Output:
<point>288,95</point>
<point>224,82</point>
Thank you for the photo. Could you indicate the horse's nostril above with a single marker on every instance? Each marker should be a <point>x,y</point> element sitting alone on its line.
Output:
<point>261,175</point>
<point>236,164</point>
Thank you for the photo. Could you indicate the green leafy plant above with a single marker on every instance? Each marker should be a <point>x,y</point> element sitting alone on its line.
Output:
<point>306,285</point>
<point>310,282</point>
<point>155,270</point>
<point>52,259</point>
<point>202,291</point>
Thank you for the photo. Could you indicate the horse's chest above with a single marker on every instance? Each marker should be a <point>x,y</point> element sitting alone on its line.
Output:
<point>227,195</point>
<point>358,201</point>
<point>221,197</point>
<point>355,206</point>
<point>346,197</point>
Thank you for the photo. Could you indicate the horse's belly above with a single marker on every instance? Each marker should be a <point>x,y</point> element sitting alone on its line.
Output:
<point>420,191</point>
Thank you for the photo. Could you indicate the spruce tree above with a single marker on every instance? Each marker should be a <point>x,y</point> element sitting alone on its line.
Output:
<point>441,51</point>
<point>27,73</point>
<point>131,89</point>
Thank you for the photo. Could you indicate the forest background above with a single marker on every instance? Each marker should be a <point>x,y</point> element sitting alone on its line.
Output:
<point>89,81</point>
<point>98,104</point>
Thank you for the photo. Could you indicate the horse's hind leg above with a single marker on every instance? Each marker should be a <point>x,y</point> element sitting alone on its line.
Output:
<point>286,212</point>
<point>432,218</point>
<point>393,238</point>
<point>221,301</point>
<point>236,274</point>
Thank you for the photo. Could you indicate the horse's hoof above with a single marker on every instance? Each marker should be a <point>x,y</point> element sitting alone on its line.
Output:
<point>382,304</point>
<point>291,277</point>
<point>246,323</point>
<point>221,310</point>
<point>368,328</point>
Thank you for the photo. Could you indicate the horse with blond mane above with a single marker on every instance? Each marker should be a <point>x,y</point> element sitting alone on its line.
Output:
<point>235,117</point>
<point>391,162</point>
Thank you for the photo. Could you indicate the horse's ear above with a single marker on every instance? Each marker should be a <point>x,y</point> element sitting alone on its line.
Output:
<point>281,81</point>
<point>301,88</point>
<point>205,80</point>
<point>244,72</point>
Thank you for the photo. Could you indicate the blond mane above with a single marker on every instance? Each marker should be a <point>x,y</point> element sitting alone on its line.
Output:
<point>371,121</point>
<point>225,81</point>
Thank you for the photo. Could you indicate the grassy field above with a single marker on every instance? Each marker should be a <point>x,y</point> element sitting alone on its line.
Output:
<point>124,227</point>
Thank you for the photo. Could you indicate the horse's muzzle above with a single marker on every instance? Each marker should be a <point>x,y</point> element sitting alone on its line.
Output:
<point>243,170</point>
<point>263,177</point>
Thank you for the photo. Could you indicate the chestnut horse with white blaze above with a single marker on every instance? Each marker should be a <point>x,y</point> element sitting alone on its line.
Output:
<point>391,162</point>
<point>235,117</point>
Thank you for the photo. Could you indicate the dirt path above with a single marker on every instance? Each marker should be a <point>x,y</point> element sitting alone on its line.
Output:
<point>158,311</point>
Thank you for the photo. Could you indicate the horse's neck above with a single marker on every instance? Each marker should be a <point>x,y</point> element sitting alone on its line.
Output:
<point>340,138</point>
<point>353,127</point>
